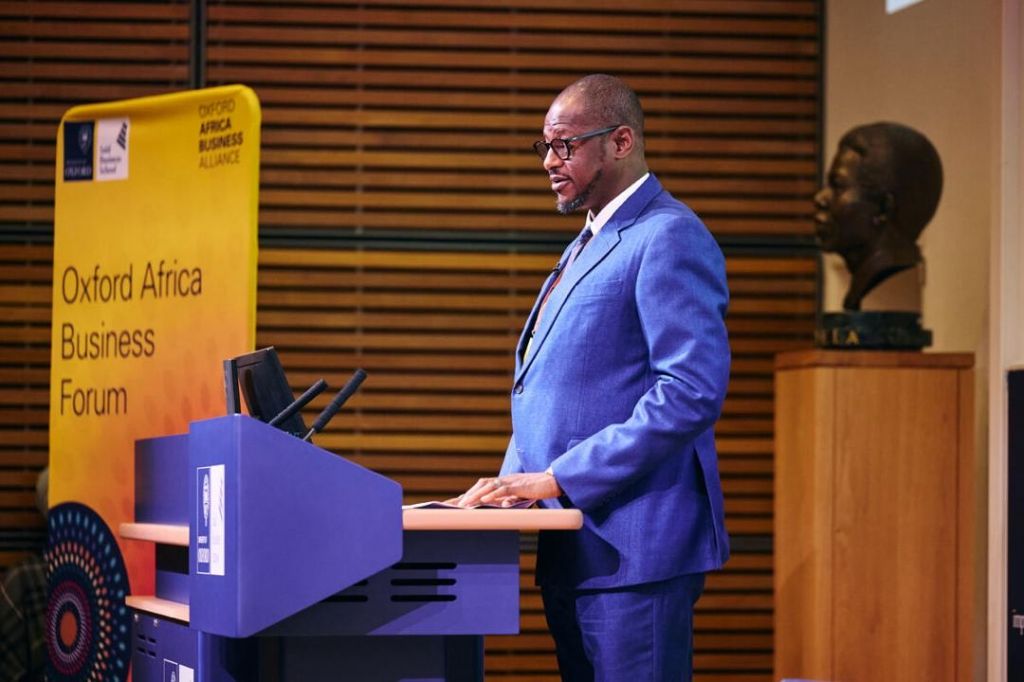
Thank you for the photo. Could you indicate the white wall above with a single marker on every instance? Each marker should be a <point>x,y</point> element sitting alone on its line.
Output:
<point>1007,299</point>
<point>934,66</point>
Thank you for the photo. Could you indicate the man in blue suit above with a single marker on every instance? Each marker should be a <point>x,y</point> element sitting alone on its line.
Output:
<point>620,375</point>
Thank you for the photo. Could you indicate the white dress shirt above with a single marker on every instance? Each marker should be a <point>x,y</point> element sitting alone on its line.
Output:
<point>595,223</point>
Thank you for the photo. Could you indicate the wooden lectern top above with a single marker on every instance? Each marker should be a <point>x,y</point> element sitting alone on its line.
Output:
<point>523,520</point>
<point>492,519</point>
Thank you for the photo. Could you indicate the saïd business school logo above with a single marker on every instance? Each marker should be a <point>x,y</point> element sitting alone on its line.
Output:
<point>112,146</point>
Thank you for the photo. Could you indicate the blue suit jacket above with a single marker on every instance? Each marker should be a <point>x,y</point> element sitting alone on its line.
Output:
<point>619,396</point>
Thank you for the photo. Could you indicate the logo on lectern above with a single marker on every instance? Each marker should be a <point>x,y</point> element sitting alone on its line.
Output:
<point>209,520</point>
<point>206,499</point>
<point>177,672</point>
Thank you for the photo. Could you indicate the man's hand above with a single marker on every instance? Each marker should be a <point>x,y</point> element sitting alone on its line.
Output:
<point>510,490</point>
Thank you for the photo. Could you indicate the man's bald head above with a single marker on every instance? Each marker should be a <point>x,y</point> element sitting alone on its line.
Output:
<point>607,101</point>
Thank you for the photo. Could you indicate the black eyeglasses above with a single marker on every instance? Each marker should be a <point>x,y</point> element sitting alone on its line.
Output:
<point>563,148</point>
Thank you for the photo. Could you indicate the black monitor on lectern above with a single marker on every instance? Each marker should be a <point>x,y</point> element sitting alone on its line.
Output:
<point>261,380</point>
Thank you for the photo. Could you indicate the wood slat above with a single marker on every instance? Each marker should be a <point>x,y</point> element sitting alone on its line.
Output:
<point>503,59</point>
<point>485,18</point>
<point>473,222</point>
<point>103,71</point>
<point>142,12</point>
<point>783,8</point>
<point>58,31</point>
<point>545,81</point>
<point>656,43</point>
<point>429,121</point>
<point>469,200</point>
<point>370,179</point>
<point>137,50</point>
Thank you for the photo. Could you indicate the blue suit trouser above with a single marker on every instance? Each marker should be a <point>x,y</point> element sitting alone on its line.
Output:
<point>641,633</point>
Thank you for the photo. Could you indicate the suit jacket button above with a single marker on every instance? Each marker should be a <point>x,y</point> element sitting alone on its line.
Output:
<point>518,389</point>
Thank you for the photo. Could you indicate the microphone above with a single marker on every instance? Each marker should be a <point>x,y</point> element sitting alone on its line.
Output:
<point>332,409</point>
<point>300,402</point>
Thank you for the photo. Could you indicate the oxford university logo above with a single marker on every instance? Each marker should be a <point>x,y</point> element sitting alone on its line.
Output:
<point>78,150</point>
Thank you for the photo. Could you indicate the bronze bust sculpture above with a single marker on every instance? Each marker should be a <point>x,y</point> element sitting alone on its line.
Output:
<point>882,189</point>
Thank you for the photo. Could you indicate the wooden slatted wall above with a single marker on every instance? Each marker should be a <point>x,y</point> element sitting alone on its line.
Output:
<point>25,273</point>
<point>54,55</point>
<point>396,154</point>
<point>419,114</point>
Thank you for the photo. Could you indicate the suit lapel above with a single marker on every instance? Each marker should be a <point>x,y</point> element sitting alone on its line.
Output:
<point>524,336</point>
<point>596,251</point>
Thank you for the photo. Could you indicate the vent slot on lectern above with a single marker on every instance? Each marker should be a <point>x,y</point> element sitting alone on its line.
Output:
<point>424,581</point>
<point>425,566</point>
<point>399,582</point>
<point>423,597</point>
<point>145,644</point>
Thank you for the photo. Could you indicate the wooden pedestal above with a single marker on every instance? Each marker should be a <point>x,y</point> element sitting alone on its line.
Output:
<point>874,506</point>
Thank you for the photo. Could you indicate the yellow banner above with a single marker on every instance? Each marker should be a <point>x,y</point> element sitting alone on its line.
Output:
<point>154,284</point>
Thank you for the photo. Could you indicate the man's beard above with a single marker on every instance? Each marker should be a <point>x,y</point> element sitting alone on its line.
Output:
<point>566,207</point>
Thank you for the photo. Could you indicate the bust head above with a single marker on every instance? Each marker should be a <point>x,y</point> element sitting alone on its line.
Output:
<point>882,189</point>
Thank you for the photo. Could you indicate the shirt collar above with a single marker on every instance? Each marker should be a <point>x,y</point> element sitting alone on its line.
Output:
<point>595,223</point>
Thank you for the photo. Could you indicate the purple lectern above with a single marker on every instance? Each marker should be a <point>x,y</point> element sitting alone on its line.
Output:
<point>279,561</point>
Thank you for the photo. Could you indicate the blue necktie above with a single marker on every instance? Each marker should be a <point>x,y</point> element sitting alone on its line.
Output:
<point>585,236</point>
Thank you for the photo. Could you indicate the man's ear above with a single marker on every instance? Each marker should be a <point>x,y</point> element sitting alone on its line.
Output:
<point>625,141</point>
